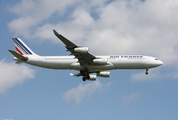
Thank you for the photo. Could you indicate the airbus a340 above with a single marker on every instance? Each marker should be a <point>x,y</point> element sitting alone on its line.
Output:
<point>88,65</point>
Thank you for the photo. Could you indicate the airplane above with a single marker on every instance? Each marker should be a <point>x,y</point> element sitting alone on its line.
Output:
<point>88,65</point>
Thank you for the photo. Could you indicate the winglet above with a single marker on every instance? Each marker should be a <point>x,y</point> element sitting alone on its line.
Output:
<point>18,55</point>
<point>71,74</point>
<point>67,42</point>
<point>77,74</point>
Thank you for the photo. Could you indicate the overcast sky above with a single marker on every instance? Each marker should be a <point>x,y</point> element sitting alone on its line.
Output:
<point>146,27</point>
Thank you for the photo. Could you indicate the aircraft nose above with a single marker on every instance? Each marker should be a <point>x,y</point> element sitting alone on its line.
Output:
<point>160,62</point>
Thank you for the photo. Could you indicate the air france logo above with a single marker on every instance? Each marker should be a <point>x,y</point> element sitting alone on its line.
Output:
<point>126,56</point>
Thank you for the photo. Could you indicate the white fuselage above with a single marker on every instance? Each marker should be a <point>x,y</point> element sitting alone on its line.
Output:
<point>113,62</point>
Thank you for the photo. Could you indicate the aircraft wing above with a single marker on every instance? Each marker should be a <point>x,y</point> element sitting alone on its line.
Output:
<point>81,53</point>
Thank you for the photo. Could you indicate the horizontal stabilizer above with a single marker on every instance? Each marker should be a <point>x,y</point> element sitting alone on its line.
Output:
<point>18,55</point>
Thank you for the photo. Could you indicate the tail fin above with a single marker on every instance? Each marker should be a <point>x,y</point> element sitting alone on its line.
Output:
<point>21,47</point>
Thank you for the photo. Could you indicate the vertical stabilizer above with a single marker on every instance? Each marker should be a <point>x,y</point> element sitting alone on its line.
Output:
<point>21,47</point>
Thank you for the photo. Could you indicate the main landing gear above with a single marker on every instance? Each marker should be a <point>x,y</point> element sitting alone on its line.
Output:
<point>85,74</point>
<point>85,77</point>
<point>146,72</point>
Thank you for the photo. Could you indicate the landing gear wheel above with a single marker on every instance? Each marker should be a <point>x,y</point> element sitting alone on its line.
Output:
<point>84,78</point>
<point>146,72</point>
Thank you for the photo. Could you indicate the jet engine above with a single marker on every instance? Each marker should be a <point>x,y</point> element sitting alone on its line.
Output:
<point>81,49</point>
<point>103,74</point>
<point>100,61</point>
<point>92,77</point>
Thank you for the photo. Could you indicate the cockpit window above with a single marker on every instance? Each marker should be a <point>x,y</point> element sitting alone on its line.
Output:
<point>156,59</point>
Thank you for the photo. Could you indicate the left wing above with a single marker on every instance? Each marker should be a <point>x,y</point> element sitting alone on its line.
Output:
<point>81,53</point>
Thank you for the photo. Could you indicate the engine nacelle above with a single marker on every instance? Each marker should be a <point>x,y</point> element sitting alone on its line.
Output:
<point>92,77</point>
<point>100,61</point>
<point>103,74</point>
<point>81,49</point>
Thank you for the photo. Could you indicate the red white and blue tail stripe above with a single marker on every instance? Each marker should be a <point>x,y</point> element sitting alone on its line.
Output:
<point>21,47</point>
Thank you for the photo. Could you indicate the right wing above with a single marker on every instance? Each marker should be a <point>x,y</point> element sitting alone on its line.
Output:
<point>81,53</point>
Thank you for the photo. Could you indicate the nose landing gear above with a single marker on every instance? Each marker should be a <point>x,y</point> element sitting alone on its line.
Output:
<point>146,72</point>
